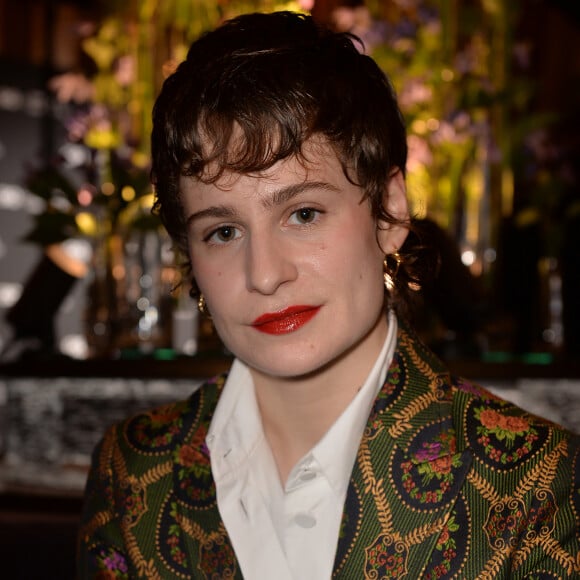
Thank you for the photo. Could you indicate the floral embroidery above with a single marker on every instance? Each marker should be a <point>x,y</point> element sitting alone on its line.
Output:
<point>505,439</point>
<point>195,452</point>
<point>502,426</point>
<point>435,481</point>
<point>193,474</point>
<point>217,559</point>
<point>131,495</point>
<point>390,391</point>
<point>452,545</point>
<point>542,516</point>
<point>386,558</point>
<point>156,430</point>
<point>171,540</point>
<point>505,522</point>
<point>174,541</point>
<point>428,475</point>
<point>446,545</point>
<point>111,564</point>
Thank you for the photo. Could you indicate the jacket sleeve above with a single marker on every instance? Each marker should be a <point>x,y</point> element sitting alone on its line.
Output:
<point>553,522</point>
<point>100,549</point>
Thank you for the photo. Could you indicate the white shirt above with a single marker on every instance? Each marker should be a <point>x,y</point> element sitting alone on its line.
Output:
<point>285,532</point>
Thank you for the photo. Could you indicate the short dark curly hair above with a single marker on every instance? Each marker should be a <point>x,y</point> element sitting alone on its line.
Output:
<point>273,81</point>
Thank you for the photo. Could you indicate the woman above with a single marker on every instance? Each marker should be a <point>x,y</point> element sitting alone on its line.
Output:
<point>337,445</point>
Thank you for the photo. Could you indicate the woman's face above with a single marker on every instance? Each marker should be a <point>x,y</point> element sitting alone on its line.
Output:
<point>289,262</point>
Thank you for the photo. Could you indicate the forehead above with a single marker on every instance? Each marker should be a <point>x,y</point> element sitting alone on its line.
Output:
<point>317,161</point>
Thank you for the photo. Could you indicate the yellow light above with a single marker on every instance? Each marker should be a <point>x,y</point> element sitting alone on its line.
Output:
<point>447,75</point>
<point>432,124</point>
<point>86,223</point>
<point>419,127</point>
<point>140,159</point>
<point>101,138</point>
<point>128,193</point>
<point>108,188</point>
<point>147,201</point>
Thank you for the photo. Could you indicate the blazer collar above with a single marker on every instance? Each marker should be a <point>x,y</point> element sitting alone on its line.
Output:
<point>409,455</point>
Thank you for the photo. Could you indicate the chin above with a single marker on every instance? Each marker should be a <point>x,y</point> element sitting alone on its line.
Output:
<point>290,364</point>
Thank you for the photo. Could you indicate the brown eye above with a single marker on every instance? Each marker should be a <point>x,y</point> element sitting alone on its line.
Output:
<point>306,215</point>
<point>222,235</point>
<point>225,234</point>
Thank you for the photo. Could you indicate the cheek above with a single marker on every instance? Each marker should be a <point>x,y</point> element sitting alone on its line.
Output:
<point>209,280</point>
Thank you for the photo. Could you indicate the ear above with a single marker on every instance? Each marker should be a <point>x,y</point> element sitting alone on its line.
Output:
<point>391,236</point>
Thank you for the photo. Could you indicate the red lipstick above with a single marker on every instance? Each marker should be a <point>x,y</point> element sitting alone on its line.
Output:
<point>285,321</point>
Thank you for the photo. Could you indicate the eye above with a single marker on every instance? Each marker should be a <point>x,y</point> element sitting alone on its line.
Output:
<point>305,215</point>
<point>223,235</point>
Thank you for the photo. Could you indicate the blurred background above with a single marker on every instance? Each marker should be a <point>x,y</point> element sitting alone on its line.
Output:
<point>489,89</point>
<point>93,323</point>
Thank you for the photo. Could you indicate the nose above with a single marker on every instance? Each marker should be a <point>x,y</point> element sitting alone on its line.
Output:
<point>269,264</point>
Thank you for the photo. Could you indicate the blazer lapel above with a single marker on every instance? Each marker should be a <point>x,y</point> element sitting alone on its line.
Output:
<point>192,535</point>
<point>403,506</point>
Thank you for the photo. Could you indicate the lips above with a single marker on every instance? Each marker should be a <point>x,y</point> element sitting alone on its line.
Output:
<point>285,321</point>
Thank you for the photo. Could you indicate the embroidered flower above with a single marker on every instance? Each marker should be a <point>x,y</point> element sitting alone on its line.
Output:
<point>195,452</point>
<point>442,464</point>
<point>112,565</point>
<point>505,439</point>
<point>188,455</point>
<point>493,420</point>
<point>490,419</point>
<point>429,451</point>
<point>516,424</point>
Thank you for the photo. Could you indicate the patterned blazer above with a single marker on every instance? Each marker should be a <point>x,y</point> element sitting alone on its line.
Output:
<point>449,482</point>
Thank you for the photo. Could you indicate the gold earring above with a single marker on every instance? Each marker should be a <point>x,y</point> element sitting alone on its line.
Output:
<point>391,265</point>
<point>201,304</point>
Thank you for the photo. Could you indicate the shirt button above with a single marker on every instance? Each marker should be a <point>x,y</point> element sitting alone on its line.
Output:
<point>307,475</point>
<point>305,520</point>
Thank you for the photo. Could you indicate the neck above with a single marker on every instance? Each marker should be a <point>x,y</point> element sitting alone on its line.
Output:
<point>298,411</point>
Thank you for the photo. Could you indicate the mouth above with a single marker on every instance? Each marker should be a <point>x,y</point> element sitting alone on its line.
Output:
<point>285,321</point>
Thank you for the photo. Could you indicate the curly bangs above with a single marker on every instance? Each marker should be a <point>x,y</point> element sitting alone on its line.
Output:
<point>253,91</point>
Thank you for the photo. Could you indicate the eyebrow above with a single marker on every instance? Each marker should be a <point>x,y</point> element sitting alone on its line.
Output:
<point>276,198</point>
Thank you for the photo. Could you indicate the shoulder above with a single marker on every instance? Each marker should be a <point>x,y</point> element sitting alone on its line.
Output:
<point>505,438</point>
<point>158,432</point>
<point>143,468</point>
<point>501,435</point>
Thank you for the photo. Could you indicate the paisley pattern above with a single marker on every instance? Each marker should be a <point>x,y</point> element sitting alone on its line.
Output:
<point>429,476</point>
<point>452,547</point>
<point>172,540</point>
<point>193,483</point>
<point>385,558</point>
<point>156,431</point>
<point>131,495</point>
<point>450,482</point>
<point>502,436</point>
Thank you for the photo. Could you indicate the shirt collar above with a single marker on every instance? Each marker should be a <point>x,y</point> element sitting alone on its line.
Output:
<point>346,432</point>
<point>236,427</point>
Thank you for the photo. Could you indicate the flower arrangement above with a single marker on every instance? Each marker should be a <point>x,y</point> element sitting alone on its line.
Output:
<point>449,66</point>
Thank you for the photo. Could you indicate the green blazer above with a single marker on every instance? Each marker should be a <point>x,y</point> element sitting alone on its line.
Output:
<point>449,482</point>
